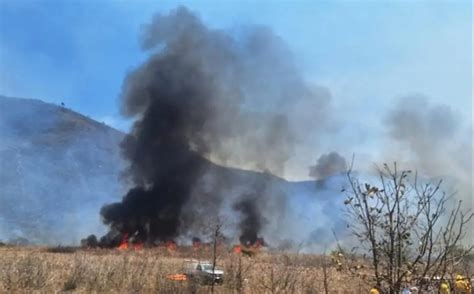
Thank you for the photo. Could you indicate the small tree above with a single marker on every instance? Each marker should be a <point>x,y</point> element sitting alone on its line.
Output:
<point>215,239</point>
<point>214,230</point>
<point>407,229</point>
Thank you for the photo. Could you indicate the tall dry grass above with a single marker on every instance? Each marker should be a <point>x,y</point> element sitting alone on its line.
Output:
<point>111,271</point>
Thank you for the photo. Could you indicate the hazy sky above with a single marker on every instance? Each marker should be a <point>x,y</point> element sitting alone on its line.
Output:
<point>367,53</point>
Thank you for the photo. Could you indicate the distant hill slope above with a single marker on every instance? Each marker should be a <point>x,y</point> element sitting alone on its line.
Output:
<point>58,167</point>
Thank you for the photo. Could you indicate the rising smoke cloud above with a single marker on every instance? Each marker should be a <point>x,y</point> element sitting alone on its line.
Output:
<point>434,140</point>
<point>206,94</point>
<point>328,165</point>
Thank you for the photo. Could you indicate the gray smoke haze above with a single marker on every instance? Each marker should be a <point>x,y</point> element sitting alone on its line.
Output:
<point>433,139</point>
<point>328,165</point>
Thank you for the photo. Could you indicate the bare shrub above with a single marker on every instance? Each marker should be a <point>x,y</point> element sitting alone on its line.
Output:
<point>237,271</point>
<point>407,229</point>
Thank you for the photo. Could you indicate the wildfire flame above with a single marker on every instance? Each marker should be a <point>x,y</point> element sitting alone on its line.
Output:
<point>124,243</point>
<point>249,249</point>
<point>237,249</point>
<point>177,277</point>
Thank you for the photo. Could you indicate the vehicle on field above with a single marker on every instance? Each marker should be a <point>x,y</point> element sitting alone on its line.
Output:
<point>202,272</point>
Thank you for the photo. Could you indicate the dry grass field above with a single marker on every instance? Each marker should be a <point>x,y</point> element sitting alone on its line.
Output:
<point>56,270</point>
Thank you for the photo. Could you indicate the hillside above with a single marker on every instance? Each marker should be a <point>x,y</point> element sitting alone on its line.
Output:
<point>59,167</point>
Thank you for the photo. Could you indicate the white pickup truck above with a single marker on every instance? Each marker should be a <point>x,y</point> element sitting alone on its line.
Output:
<point>201,271</point>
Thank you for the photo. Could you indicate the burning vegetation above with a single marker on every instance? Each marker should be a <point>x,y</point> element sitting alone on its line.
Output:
<point>195,105</point>
<point>188,101</point>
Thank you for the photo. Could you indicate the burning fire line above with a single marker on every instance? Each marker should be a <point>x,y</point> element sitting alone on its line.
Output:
<point>177,277</point>
<point>128,243</point>
<point>125,244</point>
<point>249,249</point>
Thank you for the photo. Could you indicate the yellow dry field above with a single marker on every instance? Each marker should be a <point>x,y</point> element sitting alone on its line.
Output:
<point>59,270</point>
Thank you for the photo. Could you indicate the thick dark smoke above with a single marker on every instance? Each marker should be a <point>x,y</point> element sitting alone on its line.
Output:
<point>174,97</point>
<point>328,165</point>
<point>251,223</point>
<point>250,210</point>
<point>204,95</point>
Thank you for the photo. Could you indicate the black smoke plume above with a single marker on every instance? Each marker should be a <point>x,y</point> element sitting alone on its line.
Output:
<point>203,95</point>
<point>173,96</point>
<point>250,223</point>
<point>249,206</point>
<point>328,165</point>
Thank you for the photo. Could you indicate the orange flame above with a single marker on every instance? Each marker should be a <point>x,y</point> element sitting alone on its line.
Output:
<point>237,249</point>
<point>177,277</point>
<point>124,243</point>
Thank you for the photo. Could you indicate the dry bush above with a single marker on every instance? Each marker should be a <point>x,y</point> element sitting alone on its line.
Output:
<point>237,270</point>
<point>409,230</point>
